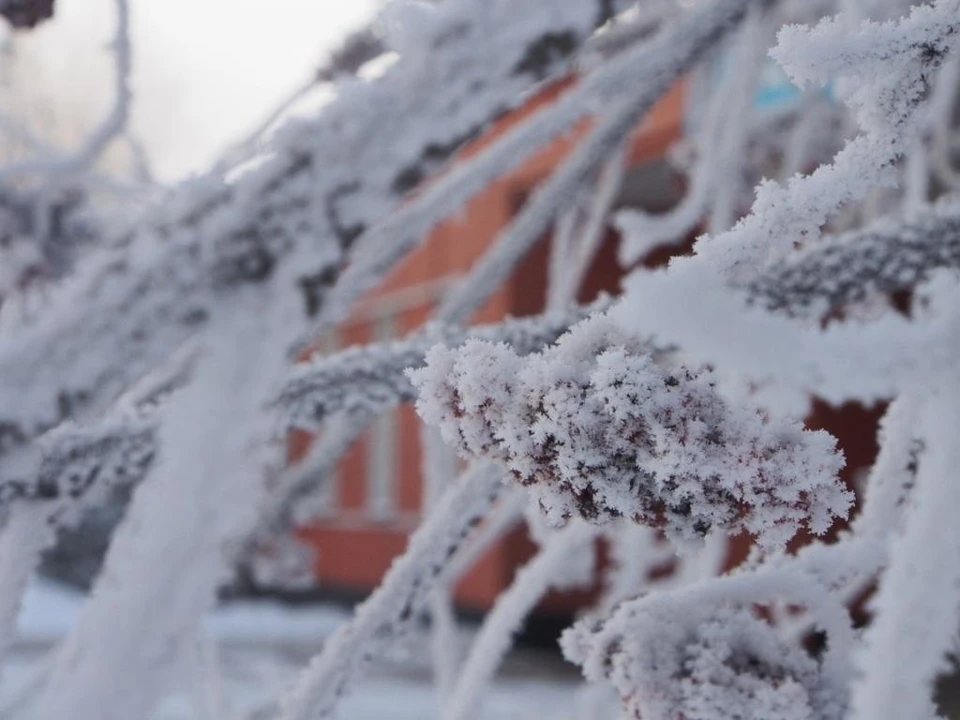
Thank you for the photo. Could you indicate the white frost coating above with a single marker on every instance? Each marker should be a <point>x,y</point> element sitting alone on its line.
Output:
<point>326,179</point>
<point>576,239</point>
<point>24,537</point>
<point>404,592</point>
<point>510,610</point>
<point>112,125</point>
<point>372,377</point>
<point>733,136</point>
<point>438,470</point>
<point>705,663</point>
<point>917,604</point>
<point>720,149</point>
<point>684,303</point>
<point>595,428</point>
<point>75,470</point>
<point>595,223</point>
<point>504,517</point>
<point>651,69</point>
<point>158,582</point>
<point>702,651</point>
<point>534,219</point>
<point>678,430</point>
<point>893,474</point>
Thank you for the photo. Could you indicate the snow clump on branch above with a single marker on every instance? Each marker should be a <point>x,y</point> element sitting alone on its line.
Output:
<point>598,428</point>
<point>710,663</point>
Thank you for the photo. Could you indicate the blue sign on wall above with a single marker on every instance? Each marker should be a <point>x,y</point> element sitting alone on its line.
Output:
<point>776,91</point>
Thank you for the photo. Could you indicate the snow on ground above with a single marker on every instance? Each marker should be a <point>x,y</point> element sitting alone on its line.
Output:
<point>50,610</point>
<point>254,648</point>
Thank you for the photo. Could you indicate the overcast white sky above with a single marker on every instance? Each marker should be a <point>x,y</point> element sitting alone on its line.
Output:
<point>205,70</point>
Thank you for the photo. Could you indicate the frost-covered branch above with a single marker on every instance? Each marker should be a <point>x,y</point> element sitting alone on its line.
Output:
<point>681,656</point>
<point>549,568</point>
<point>886,71</point>
<point>141,306</point>
<point>647,72</point>
<point>341,395</point>
<point>112,125</point>
<point>538,214</point>
<point>703,646</point>
<point>76,469</point>
<point>328,179</point>
<point>575,244</point>
<point>373,377</point>
<point>597,428</point>
<point>890,255</point>
<point>167,558</point>
<point>719,144</point>
<point>117,449</point>
<point>916,605</point>
<point>404,593</point>
<point>71,470</point>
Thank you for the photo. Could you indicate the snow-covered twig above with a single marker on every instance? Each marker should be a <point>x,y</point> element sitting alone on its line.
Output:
<point>373,377</point>
<point>719,146</point>
<point>650,69</point>
<point>506,515</point>
<point>889,255</point>
<point>575,253</point>
<point>510,610</point>
<point>916,605</point>
<point>558,191</point>
<point>438,469</point>
<point>891,109</point>
<point>24,536</point>
<point>403,594</point>
<point>77,469</point>
<point>158,578</point>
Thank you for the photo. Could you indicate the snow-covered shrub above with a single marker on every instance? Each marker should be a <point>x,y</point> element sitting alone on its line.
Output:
<point>159,358</point>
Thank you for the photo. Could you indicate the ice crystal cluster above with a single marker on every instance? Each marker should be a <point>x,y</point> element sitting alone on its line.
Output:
<point>600,429</point>
<point>715,663</point>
